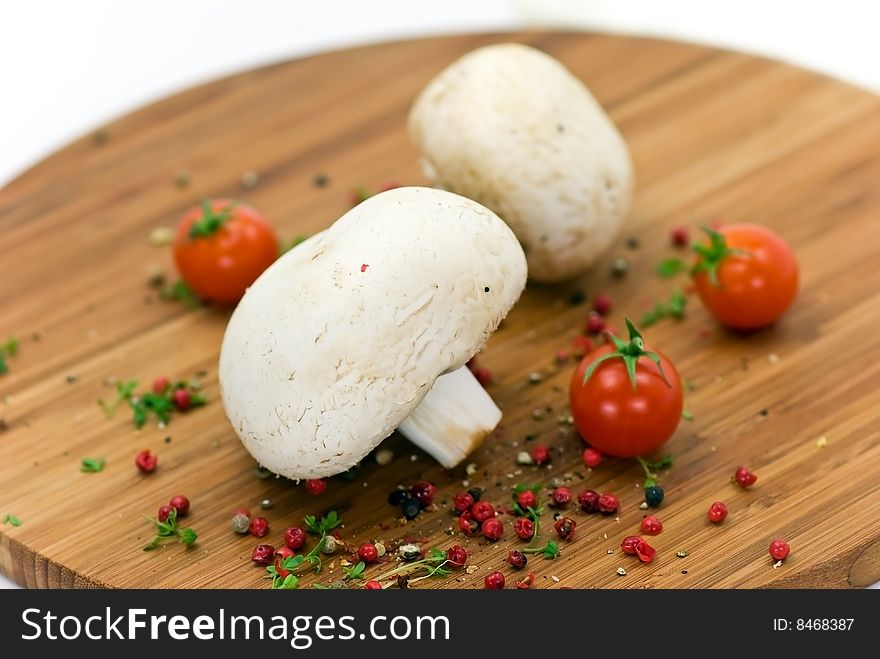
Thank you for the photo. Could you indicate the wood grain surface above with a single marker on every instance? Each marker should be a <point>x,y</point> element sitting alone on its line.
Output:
<point>713,135</point>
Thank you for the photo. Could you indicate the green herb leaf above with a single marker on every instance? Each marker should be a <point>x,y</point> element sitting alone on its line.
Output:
<point>124,391</point>
<point>676,305</point>
<point>11,519</point>
<point>687,416</point>
<point>11,346</point>
<point>671,267</point>
<point>649,482</point>
<point>92,465</point>
<point>188,536</point>
<point>180,291</point>
<point>290,582</point>
<point>356,571</point>
<point>652,316</point>
<point>551,550</point>
<point>436,555</point>
<point>3,367</point>
<point>327,523</point>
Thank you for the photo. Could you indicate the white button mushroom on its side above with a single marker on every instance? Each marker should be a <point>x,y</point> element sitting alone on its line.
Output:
<point>510,127</point>
<point>367,327</point>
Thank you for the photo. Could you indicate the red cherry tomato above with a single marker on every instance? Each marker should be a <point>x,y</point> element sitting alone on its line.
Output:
<point>614,417</point>
<point>221,247</point>
<point>755,276</point>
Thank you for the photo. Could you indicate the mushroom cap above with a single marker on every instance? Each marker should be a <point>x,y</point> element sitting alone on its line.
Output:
<point>337,341</point>
<point>510,127</point>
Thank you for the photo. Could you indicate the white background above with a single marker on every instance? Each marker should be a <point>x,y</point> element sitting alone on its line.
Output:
<point>67,67</point>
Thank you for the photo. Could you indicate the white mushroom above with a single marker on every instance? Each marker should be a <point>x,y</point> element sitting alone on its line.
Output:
<point>341,340</point>
<point>510,127</point>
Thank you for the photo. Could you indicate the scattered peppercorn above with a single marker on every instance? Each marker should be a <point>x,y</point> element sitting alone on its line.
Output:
<point>526,499</point>
<point>482,374</point>
<point>779,550</point>
<point>409,552</point>
<point>146,462</point>
<point>680,237</point>
<point>494,581</point>
<point>628,546</point>
<point>263,554</point>
<point>259,527</point>
<point>592,457</point>
<point>602,304</point>
<point>368,553</point>
<point>717,512</point>
<point>424,492</point>
<point>577,297</point>
<point>651,525</point>
<point>654,496</point>
<point>565,528</point>
<point>372,585</point>
<point>745,478</point>
<point>397,497</point>
<point>632,243</point>
<point>517,559</point>
<point>493,529</point>
<point>588,500</point>
<point>181,504</point>
<point>182,399</point>
<point>561,497</point>
<point>540,454</point>
<point>482,510</point>
<point>241,524</point>
<point>619,267</point>
<point>456,556</point>
<point>526,582</point>
<point>463,501</point>
<point>608,504</point>
<point>595,323</point>
<point>294,537</point>
<point>411,507</point>
<point>644,551</point>
<point>164,512</point>
<point>524,528</point>
<point>467,524</point>
<point>316,485</point>
<point>160,384</point>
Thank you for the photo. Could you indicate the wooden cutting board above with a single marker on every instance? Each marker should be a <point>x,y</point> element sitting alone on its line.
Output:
<point>713,134</point>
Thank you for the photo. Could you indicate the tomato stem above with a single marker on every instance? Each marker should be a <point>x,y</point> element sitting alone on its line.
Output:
<point>211,220</point>
<point>713,254</point>
<point>630,352</point>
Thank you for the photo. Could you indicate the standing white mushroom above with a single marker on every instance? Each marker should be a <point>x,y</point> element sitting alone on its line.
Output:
<point>341,340</point>
<point>510,127</point>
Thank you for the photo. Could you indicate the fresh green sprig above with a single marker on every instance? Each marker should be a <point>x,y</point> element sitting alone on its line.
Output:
<point>674,307</point>
<point>671,267</point>
<point>322,526</point>
<point>179,291</point>
<point>160,405</point>
<point>7,349</point>
<point>9,518</point>
<point>549,551</point>
<point>168,530</point>
<point>92,465</point>
<point>316,526</point>
<point>651,468</point>
<point>124,391</point>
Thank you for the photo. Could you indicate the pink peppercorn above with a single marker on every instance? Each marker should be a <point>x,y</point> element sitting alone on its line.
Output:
<point>263,554</point>
<point>602,304</point>
<point>259,527</point>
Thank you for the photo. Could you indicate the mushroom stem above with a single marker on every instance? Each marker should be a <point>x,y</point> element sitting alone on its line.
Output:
<point>453,419</point>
